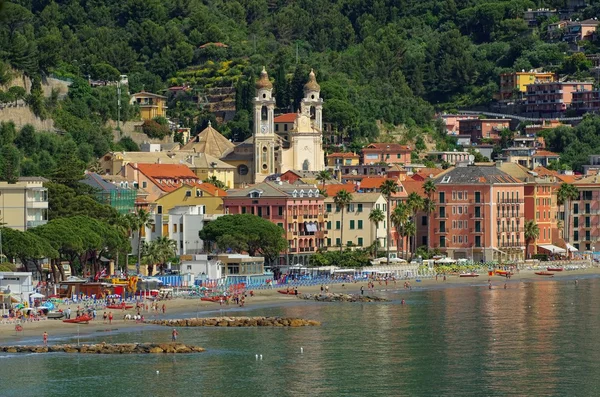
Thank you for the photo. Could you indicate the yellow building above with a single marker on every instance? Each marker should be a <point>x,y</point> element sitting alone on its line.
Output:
<point>357,227</point>
<point>150,105</point>
<point>24,204</point>
<point>339,159</point>
<point>518,81</point>
<point>203,194</point>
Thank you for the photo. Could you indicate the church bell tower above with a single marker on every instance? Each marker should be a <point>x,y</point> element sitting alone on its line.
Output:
<point>264,129</point>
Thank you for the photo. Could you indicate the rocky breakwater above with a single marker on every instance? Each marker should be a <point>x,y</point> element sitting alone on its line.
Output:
<point>342,298</point>
<point>237,322</point>
<point>106,348</point>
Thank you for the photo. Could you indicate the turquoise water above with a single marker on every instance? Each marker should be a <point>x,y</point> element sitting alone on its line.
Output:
<point>531,339</point>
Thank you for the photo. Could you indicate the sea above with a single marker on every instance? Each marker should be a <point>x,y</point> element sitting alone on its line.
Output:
<point>531,339</point>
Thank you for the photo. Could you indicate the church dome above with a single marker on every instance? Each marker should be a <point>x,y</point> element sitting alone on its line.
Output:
<point>312,84</point>
<point>264,82</point>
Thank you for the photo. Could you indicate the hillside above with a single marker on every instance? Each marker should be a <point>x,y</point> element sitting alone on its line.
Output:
<point>376,60</point>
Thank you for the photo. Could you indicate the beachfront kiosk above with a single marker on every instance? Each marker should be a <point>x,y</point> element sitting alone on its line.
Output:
<point>19,285</point>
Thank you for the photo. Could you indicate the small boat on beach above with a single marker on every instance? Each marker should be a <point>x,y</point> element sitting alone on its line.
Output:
<point>85,319</point>
<point>119,307</point>
<point>469,275</point>
<point>286,292</point>
<point>57,315</point>
<point>544,273</point>
<point>554,269</point>
<point>503,272</point>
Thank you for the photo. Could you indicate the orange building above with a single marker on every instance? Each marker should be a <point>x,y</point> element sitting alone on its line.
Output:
<point>389,153</point>
<point>479,214</point>
<point>337,159</point>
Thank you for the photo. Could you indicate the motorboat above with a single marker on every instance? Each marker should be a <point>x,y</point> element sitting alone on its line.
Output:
<point>554,269</point>
<point>544,273</point>
<point>468,275</point>
<point>83,319</point>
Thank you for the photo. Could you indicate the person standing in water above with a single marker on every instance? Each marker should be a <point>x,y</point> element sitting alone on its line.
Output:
<point>174,334</point>
<point>45,336</point>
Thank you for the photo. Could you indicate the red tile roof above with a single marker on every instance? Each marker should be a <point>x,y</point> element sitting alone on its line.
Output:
<point>211,189</point>
<point>411,186</point>
<point>352,155</point>
<point>427,172</point>
<point>168,177</point>
<point>543,171</point>
<point>545,153</point>
<point>286,118</point>
<point>373,182</point>
<point>387,147</point>
<point>332,190</point>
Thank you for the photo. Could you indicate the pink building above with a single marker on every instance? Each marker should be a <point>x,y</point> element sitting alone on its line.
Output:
<point>160,179</point>
<point>451,121</point>
<point>479,214</point>
<point>297,209</point>
<point>554,97</point>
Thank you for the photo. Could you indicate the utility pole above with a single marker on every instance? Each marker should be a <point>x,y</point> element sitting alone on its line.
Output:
<point>118,105</point>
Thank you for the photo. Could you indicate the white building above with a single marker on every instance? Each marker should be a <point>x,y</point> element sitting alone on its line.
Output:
<point>17,284</point>
<point>202,267</point>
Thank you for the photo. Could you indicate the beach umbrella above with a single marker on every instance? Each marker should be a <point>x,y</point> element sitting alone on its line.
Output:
<point>37,296</point>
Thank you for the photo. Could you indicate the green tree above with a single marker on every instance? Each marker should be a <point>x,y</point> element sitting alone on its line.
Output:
<point>388,188</point>
<point>376,216</point>
<point>532,232</point>
<point>565,194</point>
<point>342,199</point>
<point>246,233</point>
<point>429,187</point>
<point>213,180</point>
<point>140,222</point>
<point>415,204</point>
<point>399,218</point>
<point>323,176</point>
<point>10,164</point>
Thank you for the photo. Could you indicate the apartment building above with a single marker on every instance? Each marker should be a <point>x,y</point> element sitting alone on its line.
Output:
<point>298,209</point>
<point>358,230</point>
<point>479,214</point>
<point>517,82</point>
<point>150,105</point>
<point>24,204</point>
<point>553,97</point>
<point>584,230</point>
<point>339,159</point>
<point>479,129</point>
<point>586,101</point>
<point>388,153</point>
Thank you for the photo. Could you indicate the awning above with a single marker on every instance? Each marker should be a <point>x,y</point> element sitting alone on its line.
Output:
<point>553,248</point>
<point>571,248</point>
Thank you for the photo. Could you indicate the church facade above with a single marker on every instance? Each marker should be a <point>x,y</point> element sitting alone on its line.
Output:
<point>272,150</point>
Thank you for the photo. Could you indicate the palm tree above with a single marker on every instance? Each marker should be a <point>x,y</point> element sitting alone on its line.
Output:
<point>375,217</point>
<point>342,199</point>
<point>532,232</point>
<point>167,250</point>
<point>410,230</point>
<point>213,180</point>
<point>388,188</point>
<point>429,187</point>
<point>399,218</point>
<point>428,208</point>
<point>565,194</point>
<point>415,203</point>
<point>324,176</point>
<point>141,221</point>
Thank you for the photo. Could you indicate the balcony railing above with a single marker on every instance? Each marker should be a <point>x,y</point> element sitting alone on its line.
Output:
<point>440,231</point>
<point>480,230</point>
<point>511,201</point>
<point>511,244</point>
<point>35,223</point>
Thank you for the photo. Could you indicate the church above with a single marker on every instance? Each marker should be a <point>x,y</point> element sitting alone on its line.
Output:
<point>291,141</point>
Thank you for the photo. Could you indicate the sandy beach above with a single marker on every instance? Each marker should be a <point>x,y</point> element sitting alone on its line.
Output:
<point>270,297</point>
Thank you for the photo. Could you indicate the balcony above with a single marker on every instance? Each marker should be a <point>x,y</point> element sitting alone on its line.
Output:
<point>511,244</point>
<point>476,216</point>
<point>480,230</point>
<point>440,231</point>
<point>441,216</point>
<point>511,201</point>
<point>33,203</point>
<point>31,224</point>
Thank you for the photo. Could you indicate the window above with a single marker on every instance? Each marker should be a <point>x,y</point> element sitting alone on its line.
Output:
<point>460,209</point>
<point>466,238</point>
<point>280,225</point>
<point>276,127</point>
<point>243,210</point>
<point>328,225</point>
<point>350,208</point>
<point>453,239</point>
<point>460,224</point>
<point>460,239</point>
<point>360,208</point>
<point>442,212</point>
<point>144,184</point>
<point>423,221</point>
<point>453,195</point>
<point>576,235</point>
<point>477,226</point>
<point>351,224</point>
<point>576,208</point>
<point>188,193</point>
<point>478,197</point>
<point>575,221</point>
<point>442,197</point>
<point>159,209</point>
<point>328,208</point>
<point>328,242</point>
<point>442,241</point>
<point>587,221</point>
<point>466,195</point>
<point>175,228</point>
<point>460,195</point>
<point>477,241</point>
<point>360,224</point>
<point>337,225</point>
<point>587,208</point>
<point>360,241</point>
<point>338,242</point>
<point>242,169</point>
<point>285,127</point>
<point>453,210</point>
<point>280,211</point>
<point>442,226</point>
<point>477,212</point>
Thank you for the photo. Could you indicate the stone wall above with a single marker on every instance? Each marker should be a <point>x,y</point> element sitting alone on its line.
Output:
<point>22,115</point>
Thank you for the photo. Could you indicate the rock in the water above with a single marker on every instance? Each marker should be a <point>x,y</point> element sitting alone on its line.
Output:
<point>237,322</point>
<point>331,297</point>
